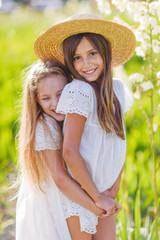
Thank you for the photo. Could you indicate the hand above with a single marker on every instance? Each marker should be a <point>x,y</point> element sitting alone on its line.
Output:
<point>98,211</point>
<point>108,193</point>
<point>108,204</point>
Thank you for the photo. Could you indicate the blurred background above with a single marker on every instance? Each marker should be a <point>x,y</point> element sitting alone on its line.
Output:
<point>21,22</point>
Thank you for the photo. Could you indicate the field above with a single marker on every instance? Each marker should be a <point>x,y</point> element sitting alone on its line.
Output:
<point>138,219</point>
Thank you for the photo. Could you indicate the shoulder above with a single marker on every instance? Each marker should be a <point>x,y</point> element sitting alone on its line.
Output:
<point>46,122</point>
<point>47,134</point>
<point>78,86</point>
<point>76,97</point>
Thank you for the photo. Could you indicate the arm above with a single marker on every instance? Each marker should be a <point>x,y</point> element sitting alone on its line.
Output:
<point>72,137</point>
<point>66,184</point>
<point>113,191</point>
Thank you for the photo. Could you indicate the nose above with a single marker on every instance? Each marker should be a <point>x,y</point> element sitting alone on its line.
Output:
<point>86,62</point>
<point>54,103</point>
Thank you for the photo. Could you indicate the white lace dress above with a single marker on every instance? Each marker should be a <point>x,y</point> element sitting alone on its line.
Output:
<point>104,154</point>
<point>40,216</point>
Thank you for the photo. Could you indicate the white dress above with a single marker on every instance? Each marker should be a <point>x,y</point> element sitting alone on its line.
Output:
<point>40,216</point>
<point>103,153</point>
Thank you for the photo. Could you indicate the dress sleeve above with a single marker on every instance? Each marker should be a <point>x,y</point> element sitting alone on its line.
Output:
<point>128,98</point>
<point>124,95</point>
<point>47,136</point>
<point>76,98</point>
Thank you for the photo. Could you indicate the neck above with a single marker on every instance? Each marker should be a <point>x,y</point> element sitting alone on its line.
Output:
<point>60,124</point>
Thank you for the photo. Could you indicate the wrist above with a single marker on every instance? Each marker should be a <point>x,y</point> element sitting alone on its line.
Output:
<point>113,194</point>
<point>97,197</point>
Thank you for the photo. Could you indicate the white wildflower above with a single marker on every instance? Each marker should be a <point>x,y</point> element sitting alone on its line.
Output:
<point>144,231</point>
<point>136,77</point>
<point>158,75</point>
<point>120,4</point>
<point>153,6</point>
<point>104,7</point>
<point>140,51</point>
<point>145,45</point>
<point>140,36</point>
<point>147,85</point>
<point>120,21</point>
<point>137,16</point>
<point>137,94</point>
<point>141,6</point>
<point>152,21</point>
<point>155,127</point>
<point>156,30</point>
<point>158,91</point>
<point>144,22</point>
<point>156,46</point>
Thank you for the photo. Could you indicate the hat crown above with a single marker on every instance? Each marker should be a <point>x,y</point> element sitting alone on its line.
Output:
<point>83,16</point>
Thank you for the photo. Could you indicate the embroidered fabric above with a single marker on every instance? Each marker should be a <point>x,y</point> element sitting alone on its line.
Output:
<point>128,99</point>
<point>88,220</point>
<point>47,135</point>
<point>78,100</point>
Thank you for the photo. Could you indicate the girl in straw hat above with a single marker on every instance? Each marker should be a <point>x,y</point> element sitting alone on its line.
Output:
<point>39,213</point>
<point>94,134</point>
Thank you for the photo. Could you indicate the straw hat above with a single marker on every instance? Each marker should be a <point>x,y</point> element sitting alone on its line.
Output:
<point>49,44</point>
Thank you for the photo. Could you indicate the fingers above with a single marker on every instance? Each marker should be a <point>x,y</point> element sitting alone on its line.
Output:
<point>116,209</point>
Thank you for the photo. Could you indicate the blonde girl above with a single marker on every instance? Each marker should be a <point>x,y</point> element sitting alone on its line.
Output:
<point>94,144</point>
<point>39,213</point>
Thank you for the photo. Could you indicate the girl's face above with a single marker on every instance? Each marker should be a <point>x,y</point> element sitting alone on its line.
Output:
<point>87,61</point>
<point>49,90</point>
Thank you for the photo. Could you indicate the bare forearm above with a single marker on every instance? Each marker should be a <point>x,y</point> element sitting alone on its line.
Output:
<point>78,168</point>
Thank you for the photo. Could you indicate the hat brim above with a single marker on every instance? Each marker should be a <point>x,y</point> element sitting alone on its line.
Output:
<point>123,42</point>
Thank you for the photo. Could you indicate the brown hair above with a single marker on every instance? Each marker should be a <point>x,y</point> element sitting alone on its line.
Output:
<point>108,115</point>
<point>32,163</point>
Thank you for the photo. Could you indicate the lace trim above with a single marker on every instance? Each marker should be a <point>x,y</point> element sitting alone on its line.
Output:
<point>88,220</point>
<point>76,110</point>
<point>75,100</point>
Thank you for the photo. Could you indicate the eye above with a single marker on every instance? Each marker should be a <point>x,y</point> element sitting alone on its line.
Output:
<point>59,94</point>
<point>93,53</point>
<point>45,99</point>
<point>76,58</point>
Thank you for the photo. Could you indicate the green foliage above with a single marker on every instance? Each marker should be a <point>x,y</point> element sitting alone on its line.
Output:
<point>137,216</point>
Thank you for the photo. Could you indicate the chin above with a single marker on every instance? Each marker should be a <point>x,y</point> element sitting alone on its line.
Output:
<point>60,118</point>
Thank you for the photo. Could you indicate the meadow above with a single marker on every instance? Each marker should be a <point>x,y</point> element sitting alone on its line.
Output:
<point>138,219</point>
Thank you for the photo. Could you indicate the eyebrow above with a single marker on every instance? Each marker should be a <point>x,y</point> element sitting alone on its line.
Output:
<point>87,51</point>
<point>43,95</point>
<point>46,95</point>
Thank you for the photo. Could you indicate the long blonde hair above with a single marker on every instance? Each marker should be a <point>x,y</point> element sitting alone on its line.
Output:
<point>109,116</point>
<point>32,163</point>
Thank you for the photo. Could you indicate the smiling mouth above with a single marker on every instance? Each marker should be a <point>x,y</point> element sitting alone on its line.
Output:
<point>91,71</point>
<point>58,114</point>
